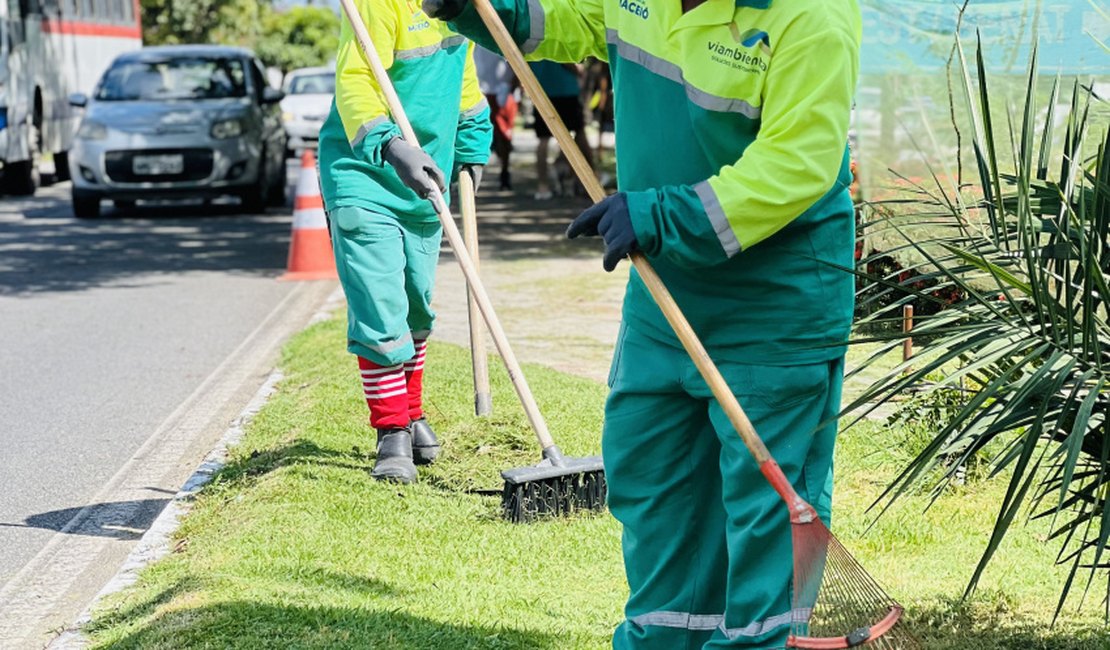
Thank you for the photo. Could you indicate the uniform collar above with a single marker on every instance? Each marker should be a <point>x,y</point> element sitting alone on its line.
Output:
<point>754,4</point>
<point>710,12</point>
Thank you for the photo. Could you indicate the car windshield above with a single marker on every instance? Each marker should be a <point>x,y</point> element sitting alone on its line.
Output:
<point>312,84</point>
<point>176,78</point>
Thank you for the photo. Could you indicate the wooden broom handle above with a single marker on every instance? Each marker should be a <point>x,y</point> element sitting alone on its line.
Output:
<point>483,402</point>
<point>659,292</point>
<point>452,232</point>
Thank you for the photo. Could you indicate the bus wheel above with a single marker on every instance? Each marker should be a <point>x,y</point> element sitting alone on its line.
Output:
<point>61,167</point>
<point>22,178</point>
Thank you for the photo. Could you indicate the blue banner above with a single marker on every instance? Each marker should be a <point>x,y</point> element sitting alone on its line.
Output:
<point>904,36</point>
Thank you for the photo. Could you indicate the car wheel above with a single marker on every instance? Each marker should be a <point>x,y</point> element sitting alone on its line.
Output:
<point>254,199</point>
<point>86,206</point>
<point>275,195</point>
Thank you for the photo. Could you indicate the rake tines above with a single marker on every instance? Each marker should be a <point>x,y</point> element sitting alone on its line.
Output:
<point>837,604</point>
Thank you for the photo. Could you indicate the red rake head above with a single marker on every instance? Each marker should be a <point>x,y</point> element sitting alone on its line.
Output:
<point>836,603</point>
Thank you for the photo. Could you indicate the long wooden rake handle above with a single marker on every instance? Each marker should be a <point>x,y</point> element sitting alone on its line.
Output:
<point>651,279</point>
<point>483,401</point>
<point>452,232</point>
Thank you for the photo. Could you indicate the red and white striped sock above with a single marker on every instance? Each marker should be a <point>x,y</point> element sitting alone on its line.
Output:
<point>386,394</point>
<point>414,379</point>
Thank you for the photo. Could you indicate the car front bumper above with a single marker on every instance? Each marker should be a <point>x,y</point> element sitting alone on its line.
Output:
<point>212,167</point>
<point>303,134</point>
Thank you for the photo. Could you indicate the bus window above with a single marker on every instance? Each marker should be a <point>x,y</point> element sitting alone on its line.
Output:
<point>86,9</point>
<point>15,23</point>
<point>29,7</point>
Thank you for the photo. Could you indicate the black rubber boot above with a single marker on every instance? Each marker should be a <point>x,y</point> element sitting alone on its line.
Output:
<point>394,461</point>
<point>425,445</point>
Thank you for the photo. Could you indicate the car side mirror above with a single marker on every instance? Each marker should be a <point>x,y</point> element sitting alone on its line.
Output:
<point>272,95</point>
<point>80,100</point>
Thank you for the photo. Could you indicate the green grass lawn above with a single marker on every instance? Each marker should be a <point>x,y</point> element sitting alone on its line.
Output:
<point>294,546</point>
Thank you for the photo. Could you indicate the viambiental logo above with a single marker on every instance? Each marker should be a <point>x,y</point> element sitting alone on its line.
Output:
<point>754,37</point>
<point>739,57</point>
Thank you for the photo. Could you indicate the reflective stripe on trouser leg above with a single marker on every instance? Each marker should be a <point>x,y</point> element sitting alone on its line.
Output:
<point>386,394</point>
<point>787,406</point>
<point>657,445</point>
<point>414,377</point>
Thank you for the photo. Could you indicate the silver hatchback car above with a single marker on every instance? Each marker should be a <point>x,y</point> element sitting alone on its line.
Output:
<point>191,121</point>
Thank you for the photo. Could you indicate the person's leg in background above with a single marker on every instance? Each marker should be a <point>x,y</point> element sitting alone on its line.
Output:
<point>370,258</point>
<point>543,179</point>
<point>661,454</point>
<point>788,407</point>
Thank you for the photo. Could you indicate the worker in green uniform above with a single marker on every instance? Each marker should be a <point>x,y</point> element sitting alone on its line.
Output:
<point>731,126</point>
<point>384,230</point>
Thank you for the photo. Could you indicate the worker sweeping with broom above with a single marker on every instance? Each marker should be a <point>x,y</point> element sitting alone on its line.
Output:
<point>731,123</point>
<point>385,232</point>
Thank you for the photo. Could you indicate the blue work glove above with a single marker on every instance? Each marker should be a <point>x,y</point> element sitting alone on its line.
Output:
<point>443,9</point>
<point>612,221</point>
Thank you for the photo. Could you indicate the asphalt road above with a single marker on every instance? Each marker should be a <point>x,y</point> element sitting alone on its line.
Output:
<point>106,328</point>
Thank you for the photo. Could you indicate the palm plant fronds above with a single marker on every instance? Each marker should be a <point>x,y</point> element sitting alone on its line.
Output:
<point>1016,269</point>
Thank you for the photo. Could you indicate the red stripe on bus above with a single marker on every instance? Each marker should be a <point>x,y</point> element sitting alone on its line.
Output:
<point>91,29</point>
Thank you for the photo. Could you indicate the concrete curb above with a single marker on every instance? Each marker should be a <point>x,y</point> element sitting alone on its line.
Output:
<point>155,543</point>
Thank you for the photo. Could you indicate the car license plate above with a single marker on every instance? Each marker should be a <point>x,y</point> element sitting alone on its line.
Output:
<point>163,165</point>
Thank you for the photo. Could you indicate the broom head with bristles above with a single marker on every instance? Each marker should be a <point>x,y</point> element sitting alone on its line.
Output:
<point>557,486</point>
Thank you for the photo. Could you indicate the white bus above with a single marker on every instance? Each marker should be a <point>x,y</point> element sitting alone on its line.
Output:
<point>48,50</point>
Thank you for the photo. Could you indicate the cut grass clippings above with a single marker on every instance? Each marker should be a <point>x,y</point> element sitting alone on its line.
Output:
<point>294,546</point>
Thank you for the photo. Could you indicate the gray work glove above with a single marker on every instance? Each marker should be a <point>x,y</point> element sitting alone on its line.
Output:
<point>416,169</point>
<point>475,172</point>
<point>443,9</point>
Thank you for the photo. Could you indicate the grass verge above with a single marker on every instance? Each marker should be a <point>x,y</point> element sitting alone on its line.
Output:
<point>294,546</point>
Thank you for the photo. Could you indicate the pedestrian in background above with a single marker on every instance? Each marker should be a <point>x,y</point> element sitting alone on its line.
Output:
<point>499,85</point>
<point>561,83</point>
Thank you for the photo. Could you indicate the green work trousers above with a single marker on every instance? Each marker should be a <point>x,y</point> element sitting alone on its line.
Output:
<point>387,267</point>
<point>707,541</point>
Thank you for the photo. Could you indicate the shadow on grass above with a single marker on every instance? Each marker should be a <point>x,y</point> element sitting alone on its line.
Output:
<point>299,452</point>
<point>242,624</point>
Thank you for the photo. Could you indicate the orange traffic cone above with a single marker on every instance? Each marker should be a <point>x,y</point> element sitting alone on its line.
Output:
<point>310,254</point>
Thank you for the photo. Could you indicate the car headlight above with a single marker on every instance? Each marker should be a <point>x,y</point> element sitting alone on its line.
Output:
<point>92,130</point>
<point>225,129</point>
<point>288,117</point>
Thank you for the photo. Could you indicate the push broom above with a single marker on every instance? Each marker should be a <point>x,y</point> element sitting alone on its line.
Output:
<point>837,604</point>
<point>559,484</point>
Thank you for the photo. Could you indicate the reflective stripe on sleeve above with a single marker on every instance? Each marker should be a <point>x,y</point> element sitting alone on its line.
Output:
<point>536,20</point>
<point>716,214</point>
<point>365,130</point>
<point>474,110</point>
